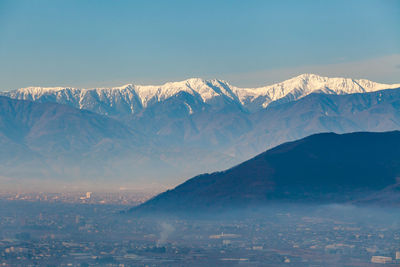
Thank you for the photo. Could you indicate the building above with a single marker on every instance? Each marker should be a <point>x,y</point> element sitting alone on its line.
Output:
<point>381,259</point>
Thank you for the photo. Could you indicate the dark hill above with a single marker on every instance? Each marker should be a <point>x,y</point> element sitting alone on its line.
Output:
<point>320,168</point>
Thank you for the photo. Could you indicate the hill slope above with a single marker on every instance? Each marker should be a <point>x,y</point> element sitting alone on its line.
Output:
<point>323,167</point>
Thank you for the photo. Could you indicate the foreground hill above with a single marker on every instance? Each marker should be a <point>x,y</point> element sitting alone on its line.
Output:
<point>320,168</point>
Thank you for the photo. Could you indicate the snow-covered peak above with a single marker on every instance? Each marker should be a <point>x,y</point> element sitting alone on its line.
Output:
<point>140,96</point>
<point>313,82</point>
<point>36,90</point>
<point>306,84</point>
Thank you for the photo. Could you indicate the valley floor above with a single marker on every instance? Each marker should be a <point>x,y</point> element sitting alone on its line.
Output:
<point>37,233</point>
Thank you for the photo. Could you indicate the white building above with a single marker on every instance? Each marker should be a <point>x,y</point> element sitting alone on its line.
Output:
<point>381,259</point>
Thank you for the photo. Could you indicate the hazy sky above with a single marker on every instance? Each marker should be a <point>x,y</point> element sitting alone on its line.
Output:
<point>248,43</point>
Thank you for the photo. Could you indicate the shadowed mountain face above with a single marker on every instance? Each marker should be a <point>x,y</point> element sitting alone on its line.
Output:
<point>58,128</point>
<point>321,168</point>
<point>375,112</point>
<point>53,140</point>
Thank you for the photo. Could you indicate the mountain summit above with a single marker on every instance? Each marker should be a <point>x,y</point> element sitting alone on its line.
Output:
<point>131,99</point>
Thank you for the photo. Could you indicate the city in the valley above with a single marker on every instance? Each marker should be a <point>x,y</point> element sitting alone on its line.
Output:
<point>94,229</point>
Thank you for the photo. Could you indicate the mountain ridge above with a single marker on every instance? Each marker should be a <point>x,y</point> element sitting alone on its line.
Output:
<point>189,136</point>
<point>131,99</point>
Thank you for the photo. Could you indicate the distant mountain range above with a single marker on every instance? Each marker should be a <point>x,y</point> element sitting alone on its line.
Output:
<point>322,168</point>
<point>132,99</point>
<point>165,133</point>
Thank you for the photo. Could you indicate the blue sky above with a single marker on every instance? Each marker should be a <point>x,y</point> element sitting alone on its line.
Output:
<point>248,43</point>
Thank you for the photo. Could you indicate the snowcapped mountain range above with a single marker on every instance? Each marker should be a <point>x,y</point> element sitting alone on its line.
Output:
<point>167,133</point>
<point>131,99</point>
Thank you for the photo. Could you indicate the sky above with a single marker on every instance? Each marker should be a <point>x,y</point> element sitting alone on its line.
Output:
<point>96,43</point>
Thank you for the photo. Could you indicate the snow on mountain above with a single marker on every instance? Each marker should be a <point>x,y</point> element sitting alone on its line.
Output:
<point>131,99</point>
<point>303,85</point>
